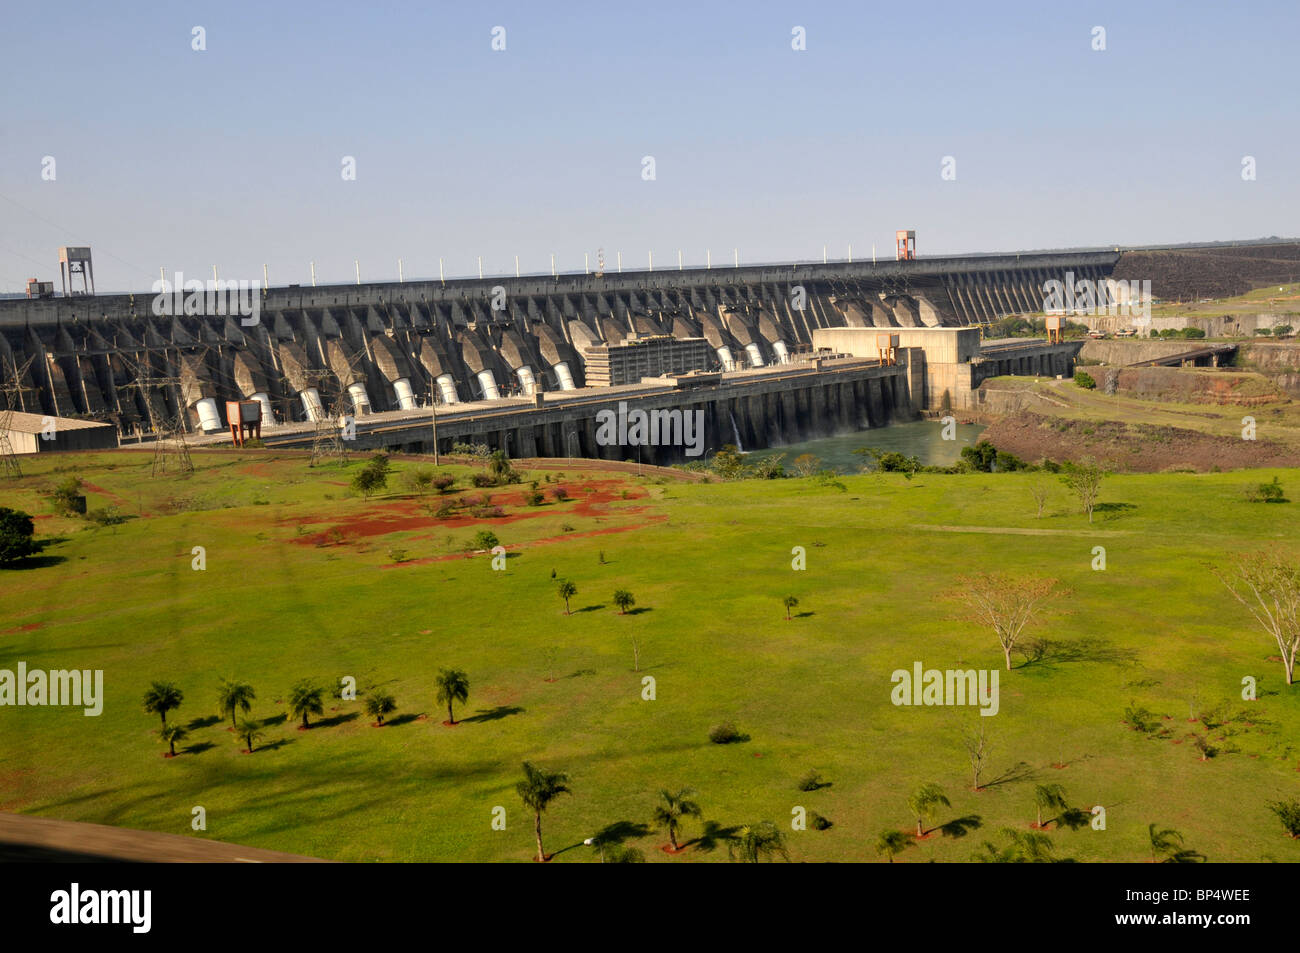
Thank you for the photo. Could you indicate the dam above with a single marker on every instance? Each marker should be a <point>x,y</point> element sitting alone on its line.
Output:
<point>532,346</point>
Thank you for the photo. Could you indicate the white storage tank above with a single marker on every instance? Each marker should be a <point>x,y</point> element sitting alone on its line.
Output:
<point>405,396</point>
<point>360,399</point>
<point>565,375</point>
<point>447,387</point>
<point>489,385</point>
<point>209,416</point>
<point>526,380</point>
<point>268,419</point>
<point>311,404</point>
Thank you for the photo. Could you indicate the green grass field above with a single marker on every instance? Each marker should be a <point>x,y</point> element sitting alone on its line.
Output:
<point>708,564</point>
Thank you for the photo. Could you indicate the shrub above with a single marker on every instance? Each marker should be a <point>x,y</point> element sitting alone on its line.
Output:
<point>1085,380</point>
<point>67,497</point>
<point>818,822</point>
<point>534,498</point>
<point>810,781</point>
<point>1266,493</point>
<point>397,555</point>
<point>560,494</point>
<point>443,483</point>
<point>486,539</point>
<point>566,528</point>
<point>105,516</point>
<point>1264,332</point>
<point>420,480</point>
<point>724,734</point>
<point>446,510</point>
<point>1139,718</point>
<point>1281,330</point>
<point>17,536</point>
<point>482,480</point>
<point>1288,812</point>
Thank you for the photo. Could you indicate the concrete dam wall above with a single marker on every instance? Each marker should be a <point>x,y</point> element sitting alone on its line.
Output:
<point>398,347</point>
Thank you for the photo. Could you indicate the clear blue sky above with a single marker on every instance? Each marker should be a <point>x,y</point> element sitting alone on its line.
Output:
<point>168,156</point>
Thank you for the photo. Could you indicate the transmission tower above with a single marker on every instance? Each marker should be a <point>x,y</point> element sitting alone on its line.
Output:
<point>13,391</point>
<point>171,452</point>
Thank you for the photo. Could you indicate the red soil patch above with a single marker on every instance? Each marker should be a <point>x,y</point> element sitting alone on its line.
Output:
<point>668,849</point>
<point>113,497</point>
<point>915,836</point>
<point>168,754</point>
<point>451,724</point>
<point>29,627</point>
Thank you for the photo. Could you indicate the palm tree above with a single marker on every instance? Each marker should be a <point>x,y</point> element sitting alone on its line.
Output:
<point>671,809</point>
<point>893,843</point>
<point>249,731</point>
<point>1051,796</point>
<point>927,799</point>
<point>755,842</point>
<point>305,699</point>
<point>1026,847</point>
<point>234,695</point>
<point>623,599</point>
<point>172,734</point>
<point>162,697</point>
<point>453,686</point>
<point>1168,841</point>
<point>789,602</point>
<point>379,704</point>
<point>499,465</point>
<point>538,789</point>
<point>566,590</point>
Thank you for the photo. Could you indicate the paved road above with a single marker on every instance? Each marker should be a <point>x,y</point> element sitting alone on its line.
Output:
<point>44,840</point>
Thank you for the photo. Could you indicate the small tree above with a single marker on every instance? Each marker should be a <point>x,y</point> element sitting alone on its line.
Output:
<point>234,695</point>
<point>925,803</point>
<point>379,704</point>
<point>17,536</point>
<point>306,699</point>
<point>671,809</point>
<point>1268,584</point>
<point>806,464</point>
<point>537,790</point>
<point>453,686</point>
<point>171,734</point>
<point>249,731</point>
<point>1288,812</point>
<point>486,539</point>
<point>420,480</point>
<point>890,844</point>
<point>162,697</point>
<point>624,600</point>
<point>1051,797</point>
<point>1006,604</point>
<point>566,590</point>
<point>789,602</point>
<point>1084,481</point>
<point>368,481</point>
<point>1039,489</point>
<point>977,751</point>
<point>756,842</point>
<point>67,496</point>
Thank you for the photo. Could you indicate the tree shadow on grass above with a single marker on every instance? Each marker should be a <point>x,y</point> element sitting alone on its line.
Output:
<point>1112,511</point>
<point>1074,818</point>
<point>613,835</point>
<point>494,714</point>
<point>588,609</point>
<point>335,720</point>
<point>275,720</point>
<point>638,611</point>
<point>803,615</point>
<point>42,561</point>
<point>402,719</point>
<point>199,748</point>
<point>961,826</point>
<point>712,837</point>
<point>581,672</point>
<point>275,745</point>
<point>207,721</point>
<point>1047,652</point>
<point>1021,771</point>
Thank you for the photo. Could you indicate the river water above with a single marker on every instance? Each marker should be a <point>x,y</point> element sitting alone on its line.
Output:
<point>920,438</point>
